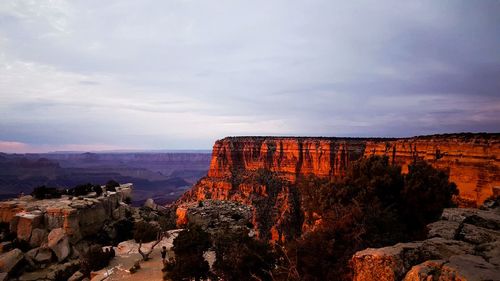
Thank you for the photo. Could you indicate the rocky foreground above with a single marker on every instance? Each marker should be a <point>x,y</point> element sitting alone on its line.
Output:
<point>51,234</point>
<point>463,245</point>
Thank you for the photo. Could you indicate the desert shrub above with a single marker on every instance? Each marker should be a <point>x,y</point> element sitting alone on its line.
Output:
<point>240,257</point>
<point>97,189</point>
<point>426,192</point>
<point>111,185</point>
<point>124,230</point>
<point>81,189</point>
<point>189,262</point>
<point>145,232</point>
<point>374,205</point>
<point>95,259</point>
<point>44,192</point>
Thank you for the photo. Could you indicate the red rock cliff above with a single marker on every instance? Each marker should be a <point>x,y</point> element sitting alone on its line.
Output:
<point>472,161</point>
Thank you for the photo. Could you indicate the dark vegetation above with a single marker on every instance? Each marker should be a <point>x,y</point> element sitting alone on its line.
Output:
<point>95,259</point>
<point>240,257</point>
<point>373,206</point>
<point>189,263</point>
<point>44,192</point>
<point>145,232</point>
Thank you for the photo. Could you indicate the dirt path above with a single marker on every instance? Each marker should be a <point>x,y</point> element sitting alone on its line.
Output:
<point>127,255</point>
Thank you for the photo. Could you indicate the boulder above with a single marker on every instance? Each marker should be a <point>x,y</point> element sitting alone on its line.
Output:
<point>150,203</point>
<point>478,235</point>
<point>392,263</point>
<point>427,270</point>
<point>10,259</point>
<point>484,218</point>
<point>5,246</point>
<point>58,242</point>
<point>443,229</point>
<point>463,267</point>
<point>38,237</point>
<point>491,252</point>
<point>388,263</point>
<point>39,256</point>
<point>463,246</point>
<point>26,222</point>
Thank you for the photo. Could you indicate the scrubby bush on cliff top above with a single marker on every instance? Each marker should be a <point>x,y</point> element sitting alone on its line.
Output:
<point>189,262</point>
<point>373,206</point>
<point>240,257</point>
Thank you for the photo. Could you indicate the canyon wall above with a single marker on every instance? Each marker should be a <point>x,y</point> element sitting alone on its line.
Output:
<point>472,161</point>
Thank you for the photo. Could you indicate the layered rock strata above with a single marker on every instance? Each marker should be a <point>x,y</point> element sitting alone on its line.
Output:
<point>464,245</point>
<point>472,160</point>
<point>239,163</point>
<point>78,217</point>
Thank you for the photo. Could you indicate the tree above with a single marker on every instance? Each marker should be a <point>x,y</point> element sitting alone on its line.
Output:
<point>111,185</point>
<point>240,257</point>
<point>374,205</point>
<point>189,262</point>
<point>427,190</point>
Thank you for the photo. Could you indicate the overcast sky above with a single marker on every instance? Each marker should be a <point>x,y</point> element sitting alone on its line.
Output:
<point>97,75</point>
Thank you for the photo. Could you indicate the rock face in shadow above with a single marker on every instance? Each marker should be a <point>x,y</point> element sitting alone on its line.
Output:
<point>472,161</point>
<point>463,245</point>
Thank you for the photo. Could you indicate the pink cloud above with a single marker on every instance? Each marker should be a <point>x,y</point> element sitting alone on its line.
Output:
<point>20,147</point>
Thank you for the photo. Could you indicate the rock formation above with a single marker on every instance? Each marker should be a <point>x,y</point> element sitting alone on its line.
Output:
<point>463,245</point>
<point>55,229</point>
<point>472,161</point>
<point>78,217</point>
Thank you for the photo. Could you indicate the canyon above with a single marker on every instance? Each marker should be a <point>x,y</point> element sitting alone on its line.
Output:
<point>471,160</point>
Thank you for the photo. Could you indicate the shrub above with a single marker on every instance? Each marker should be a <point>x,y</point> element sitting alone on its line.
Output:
<point>81,189</point>
<point>111,185</point>
<point>95,259</point>
<point>97,189</point>
<point>43,192</point>
<point>374,205</point>
<point>189,262</point>
<point>145,232</point>
<point>239,257</point>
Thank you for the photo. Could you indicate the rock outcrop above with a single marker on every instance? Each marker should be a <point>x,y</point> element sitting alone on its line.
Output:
<point>215,215</point>
<point>77,217</point>
<point>472,160</point>
<point>464,245</point>
<point>238,167</point>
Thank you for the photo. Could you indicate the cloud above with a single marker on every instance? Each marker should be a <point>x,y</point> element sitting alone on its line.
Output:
<point>180,74</point>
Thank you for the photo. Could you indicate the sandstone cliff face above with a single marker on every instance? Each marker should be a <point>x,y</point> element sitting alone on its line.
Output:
<point>472,161</point>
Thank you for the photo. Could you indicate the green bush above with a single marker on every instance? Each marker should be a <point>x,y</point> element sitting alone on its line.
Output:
<point>374,205</point>
<point>239,257</point>
<point>95,259</point>
<point>189,262</point>
<point>145,232</point>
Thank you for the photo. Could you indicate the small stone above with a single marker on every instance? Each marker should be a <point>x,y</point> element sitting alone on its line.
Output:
<point>77,276</point>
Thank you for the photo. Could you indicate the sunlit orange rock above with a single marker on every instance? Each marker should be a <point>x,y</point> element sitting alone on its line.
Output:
<point>472,161</point>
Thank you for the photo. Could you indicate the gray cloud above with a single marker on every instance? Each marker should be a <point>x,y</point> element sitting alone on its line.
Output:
<point>179,74</point>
